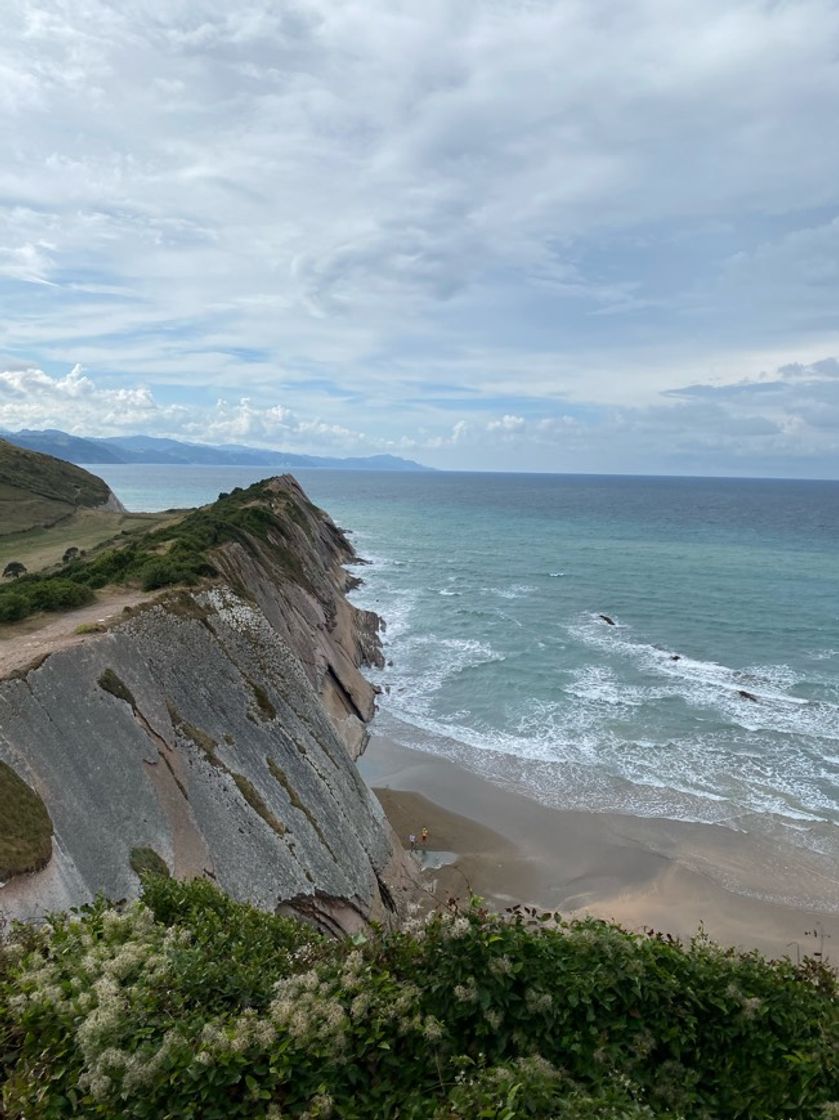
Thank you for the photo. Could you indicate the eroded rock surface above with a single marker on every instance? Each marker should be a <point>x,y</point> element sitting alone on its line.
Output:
<point>217,728</point>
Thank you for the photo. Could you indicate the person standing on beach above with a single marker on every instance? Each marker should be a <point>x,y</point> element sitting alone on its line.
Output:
<point>412,840</point>
<point>424,839</point>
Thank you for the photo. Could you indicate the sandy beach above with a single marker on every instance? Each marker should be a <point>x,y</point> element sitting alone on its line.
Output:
<point>673,876</point>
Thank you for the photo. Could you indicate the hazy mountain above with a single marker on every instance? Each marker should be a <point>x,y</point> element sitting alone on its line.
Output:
<point>151,449</point>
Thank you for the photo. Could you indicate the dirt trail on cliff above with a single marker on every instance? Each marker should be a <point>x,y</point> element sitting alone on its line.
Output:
<point>25,642</point>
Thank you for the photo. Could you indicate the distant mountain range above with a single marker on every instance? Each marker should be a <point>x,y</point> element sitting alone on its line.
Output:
<point>148,449</point>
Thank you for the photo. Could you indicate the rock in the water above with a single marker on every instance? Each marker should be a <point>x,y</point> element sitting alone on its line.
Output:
<point>606,619</point>
<point>744,695</point>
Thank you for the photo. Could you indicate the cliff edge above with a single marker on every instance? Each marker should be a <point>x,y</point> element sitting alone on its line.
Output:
<point>211,729</point>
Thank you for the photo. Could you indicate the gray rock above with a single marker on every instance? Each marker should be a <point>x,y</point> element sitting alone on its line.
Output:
<point>218,728</point>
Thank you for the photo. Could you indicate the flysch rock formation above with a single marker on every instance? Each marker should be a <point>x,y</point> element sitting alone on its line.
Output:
<point>217,727</point>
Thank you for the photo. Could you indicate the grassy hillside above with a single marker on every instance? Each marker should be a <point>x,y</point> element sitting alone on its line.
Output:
<point>188,1004</point>
<point>86,530</point>
<point>37,490</point>
<point>177,552</point>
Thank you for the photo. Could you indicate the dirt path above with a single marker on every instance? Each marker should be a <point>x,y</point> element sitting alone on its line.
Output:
<point>27,641</point>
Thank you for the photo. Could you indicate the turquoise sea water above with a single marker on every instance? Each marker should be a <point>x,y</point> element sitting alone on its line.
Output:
<point>492,587</point>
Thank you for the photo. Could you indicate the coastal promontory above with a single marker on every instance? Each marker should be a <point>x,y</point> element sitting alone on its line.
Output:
<point>199,716</point>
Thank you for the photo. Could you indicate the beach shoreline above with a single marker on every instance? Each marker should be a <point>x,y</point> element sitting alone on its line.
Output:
<point>673,876</point>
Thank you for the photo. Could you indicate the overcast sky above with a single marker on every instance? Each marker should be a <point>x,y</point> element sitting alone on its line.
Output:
<point>592,235</point>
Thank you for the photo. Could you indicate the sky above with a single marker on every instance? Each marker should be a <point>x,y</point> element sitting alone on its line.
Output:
<point>549,235</point>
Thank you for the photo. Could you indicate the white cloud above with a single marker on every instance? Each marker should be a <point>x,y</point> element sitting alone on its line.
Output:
<point>573,199</point>
<point>31,398</point>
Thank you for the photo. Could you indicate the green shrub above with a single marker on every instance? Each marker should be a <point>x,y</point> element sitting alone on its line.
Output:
<point>165,572</point>
<point>191,1005</point>
<point>58,595</point>
<point>13,607</point>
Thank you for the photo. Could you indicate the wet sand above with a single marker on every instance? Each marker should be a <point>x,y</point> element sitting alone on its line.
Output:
<point>673,876</point>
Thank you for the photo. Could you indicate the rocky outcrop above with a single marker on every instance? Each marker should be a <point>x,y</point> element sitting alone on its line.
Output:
<point>216,728</point>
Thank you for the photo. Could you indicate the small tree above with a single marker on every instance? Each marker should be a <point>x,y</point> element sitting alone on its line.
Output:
<point>72,553</point>
<point>14,569</point>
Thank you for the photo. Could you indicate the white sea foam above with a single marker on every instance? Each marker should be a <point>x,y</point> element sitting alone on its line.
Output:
<point>573,744</point>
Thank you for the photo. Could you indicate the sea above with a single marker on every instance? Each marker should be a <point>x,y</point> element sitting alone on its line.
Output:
<point>713,697</point>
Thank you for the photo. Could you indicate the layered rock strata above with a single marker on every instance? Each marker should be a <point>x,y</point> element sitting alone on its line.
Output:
<point>216,728</point>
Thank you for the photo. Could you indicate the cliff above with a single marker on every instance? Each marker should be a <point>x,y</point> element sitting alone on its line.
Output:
<point>213,728</point>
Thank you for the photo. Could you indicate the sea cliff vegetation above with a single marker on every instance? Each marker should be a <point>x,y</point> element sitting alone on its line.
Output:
<point>189,1004</point>
<point>178,553</point>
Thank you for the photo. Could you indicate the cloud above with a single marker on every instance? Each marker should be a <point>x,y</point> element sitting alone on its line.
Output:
<point>787,422</point>
<point>583,201</point>
<point>31,398</point>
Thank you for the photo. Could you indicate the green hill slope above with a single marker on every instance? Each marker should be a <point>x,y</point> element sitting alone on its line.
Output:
<point>37,490</point>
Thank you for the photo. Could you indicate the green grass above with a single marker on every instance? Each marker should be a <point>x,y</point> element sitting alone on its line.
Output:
<point>146,861</point>
<point>25,826</point>
<point>87,529</point>
<point>175,554</point>
<point>37,489</point>
<point>253,797</point>
<point>110,682</point>
<point>263,702</point>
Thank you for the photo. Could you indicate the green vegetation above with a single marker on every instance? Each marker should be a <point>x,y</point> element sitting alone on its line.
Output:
<point>36,593</point>
<point>263,702</point>
<point>176,553</point>
<point>202,740</point>
<point>88,529</point>
<point>110,682</point>
<point>146,861</point>
<point>14,569</point>
<point>253,797</point>
<point>37,489</point>
<point>191,1005</point>
<point>25,826</point>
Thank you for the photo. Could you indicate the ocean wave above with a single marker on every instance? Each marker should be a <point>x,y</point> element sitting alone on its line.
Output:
<point>572,734</point>
<point>514,591</point>
<point>754,698</point>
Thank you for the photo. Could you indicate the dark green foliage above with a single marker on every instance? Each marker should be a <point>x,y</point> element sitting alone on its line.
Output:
<point>57,595</point>
<point>146,861</point>
<point>110,682</point>
<point>13,608</point>
<point>33,593</point>
<point>166,571</point>
<point>237,951</point>
<point>14,569</point>
<point>206,1009</point>
<point>71,553</point>
<point>25,826</point>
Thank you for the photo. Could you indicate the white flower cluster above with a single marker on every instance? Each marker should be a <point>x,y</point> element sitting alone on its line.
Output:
<point>538,1001</point>
<point>112,972</point>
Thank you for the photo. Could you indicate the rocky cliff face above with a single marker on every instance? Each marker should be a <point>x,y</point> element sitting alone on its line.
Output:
<point>215,728</point>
